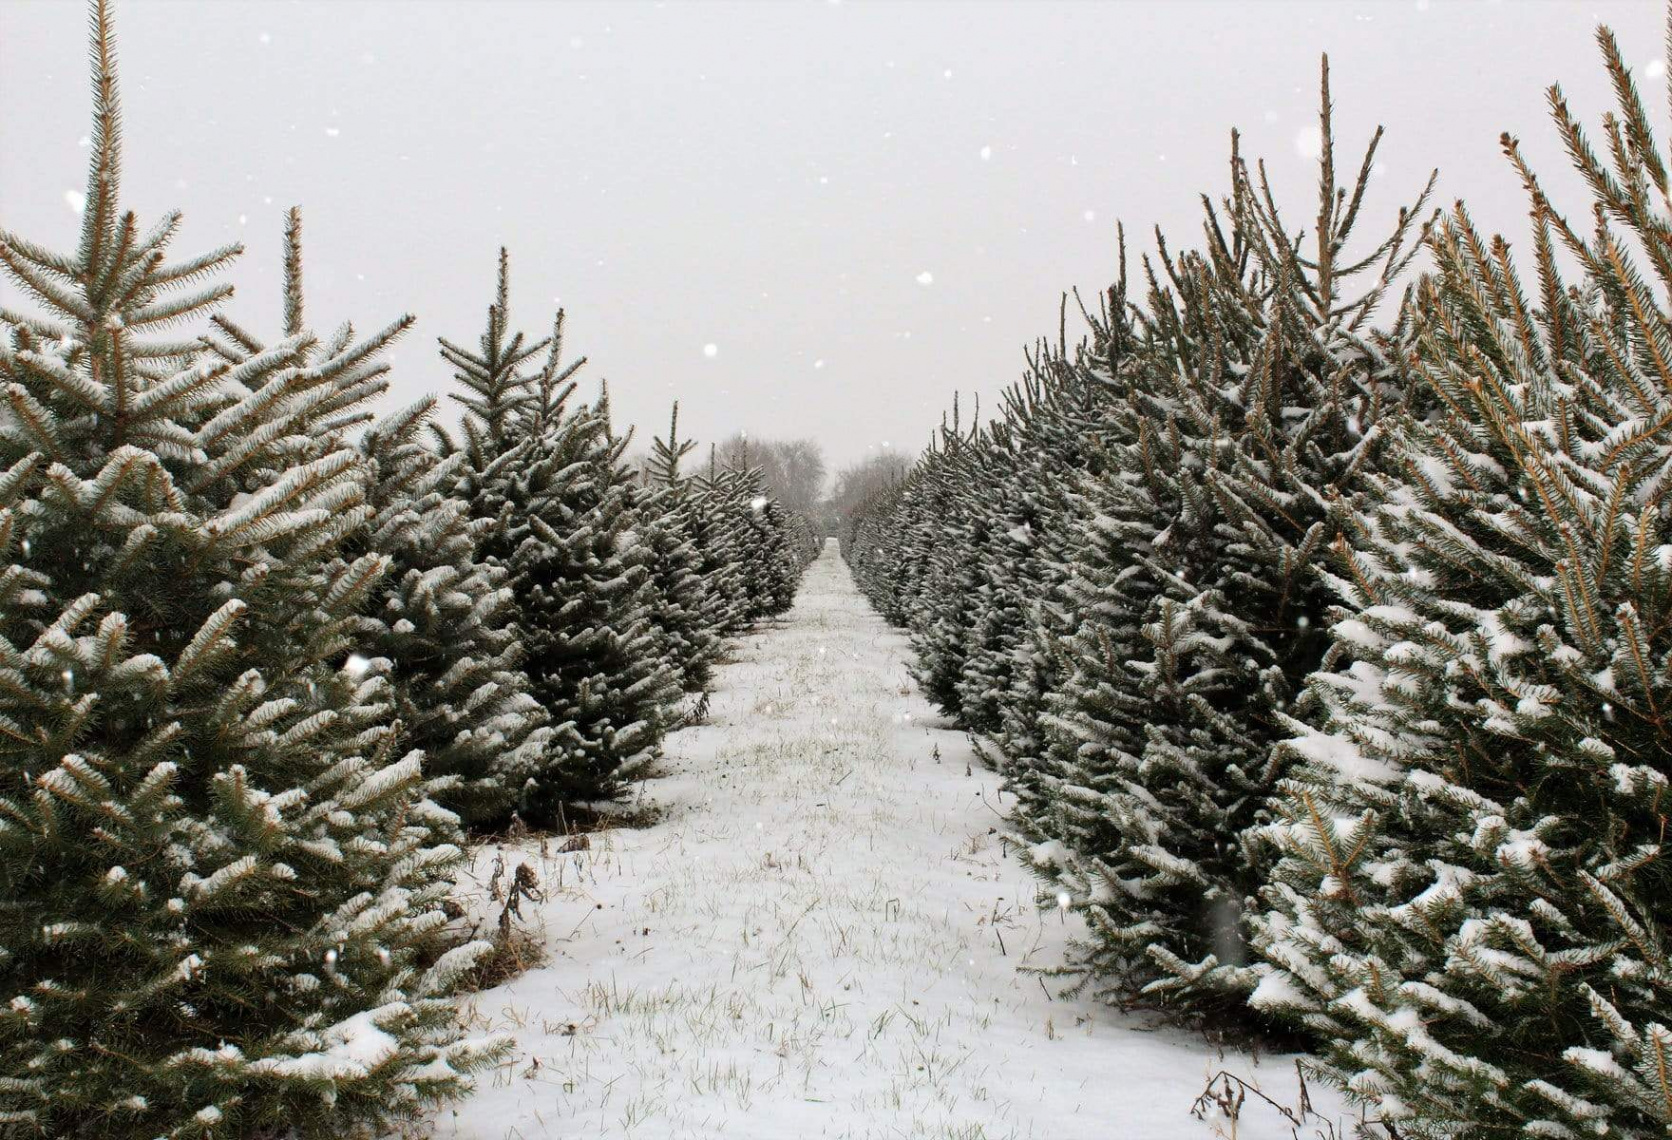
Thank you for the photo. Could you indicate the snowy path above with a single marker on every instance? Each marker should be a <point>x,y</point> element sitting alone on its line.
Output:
<point>820,938</point>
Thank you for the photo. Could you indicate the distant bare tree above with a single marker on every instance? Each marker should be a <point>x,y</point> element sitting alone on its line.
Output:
<point>858,481</point>
<point>794,468</point>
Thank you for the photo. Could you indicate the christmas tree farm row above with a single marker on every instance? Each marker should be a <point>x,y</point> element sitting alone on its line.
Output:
<point>1321,624</point>
<point>264,660</point>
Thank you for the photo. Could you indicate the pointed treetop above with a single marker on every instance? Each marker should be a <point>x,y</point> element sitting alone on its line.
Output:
<point>497,397</point>
<point>293,271</point>
<point>98,215</point>
<point>666,454</point>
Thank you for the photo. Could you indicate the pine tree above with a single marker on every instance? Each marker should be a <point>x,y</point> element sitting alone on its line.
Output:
<point>720,551</point>
<point>1069,409</point>
<point>443,619</point>
<point>550,480</point>
<point>768,562</point>
<point>440,622</point>
<point>221,878</point>
<point>683,607</point>
<point>1202,600</point>
<point>952,523</point>
<point>1472,909</point>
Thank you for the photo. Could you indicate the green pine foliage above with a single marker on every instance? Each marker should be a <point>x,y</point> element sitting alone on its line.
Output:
<point>775,556</point>
<point>754,549</point>
<point>222,878</point>
<point>547,478</point>
<point>443,622</point>
<point>684,615</point>
<point>1338,701</point>
<point>1257,412</point>
<point>263,659</point>
<point>1473,905</point>
<point>1174,486</point>
<point>439,624</point>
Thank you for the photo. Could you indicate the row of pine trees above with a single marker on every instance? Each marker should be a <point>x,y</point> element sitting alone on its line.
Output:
<point>1318,609</point>
<point>265,662</point>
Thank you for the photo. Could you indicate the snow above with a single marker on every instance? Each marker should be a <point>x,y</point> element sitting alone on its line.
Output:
<point>822,936</point>
<point>356,1047</point>
<point>1277,990</point>
<point>1344,756</point>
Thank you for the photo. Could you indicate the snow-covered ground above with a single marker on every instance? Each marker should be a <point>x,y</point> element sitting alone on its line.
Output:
<point>823,936</point>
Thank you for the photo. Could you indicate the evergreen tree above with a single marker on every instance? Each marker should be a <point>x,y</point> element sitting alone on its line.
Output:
<point>221,878</point>
<point>439,623</point>
<point>768,562</point>
<point>1200,599</point>
<point>443,620</point>
<point>720,551</point>
<point>683,603</point>
<point>550,480</point>
<point>1474,903</point>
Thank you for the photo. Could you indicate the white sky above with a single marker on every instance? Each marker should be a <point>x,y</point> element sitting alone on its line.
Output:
<point>862,206</point>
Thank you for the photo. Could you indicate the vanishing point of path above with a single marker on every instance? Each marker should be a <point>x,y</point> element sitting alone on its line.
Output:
<point>822,936</point>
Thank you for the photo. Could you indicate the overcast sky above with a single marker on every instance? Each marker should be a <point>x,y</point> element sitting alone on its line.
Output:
<point>798,218</point>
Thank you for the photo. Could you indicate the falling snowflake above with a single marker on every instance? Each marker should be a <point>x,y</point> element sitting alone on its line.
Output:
<point>1310,142</point>
<point>76,200</point>
<point>758,504</point>
<point>925,278</point>
<point>356,665</point>
<point>986,153</point>
<point>711,350</point>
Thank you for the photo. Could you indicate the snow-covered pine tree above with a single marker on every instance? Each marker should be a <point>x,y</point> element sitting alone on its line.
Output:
<point>440,622</point>
<point>1201,601</point>
<point>1068,410</point>
<point>688,612</point>
<point>719,549</point>
<point>894,550</point>
<point>872,547</point>
<point>768,563</point>
<point>221,877</point>
<point>550,479</point>
<point>970,553</point>
<point>953,515</point>
<point>444,620</point>
<point>1474,905</point>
